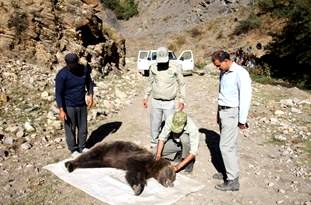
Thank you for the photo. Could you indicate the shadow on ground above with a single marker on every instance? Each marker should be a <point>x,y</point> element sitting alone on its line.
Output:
<point>212,140</point>
<point>102,132</point>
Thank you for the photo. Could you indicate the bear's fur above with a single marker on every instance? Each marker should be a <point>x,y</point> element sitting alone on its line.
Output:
<point>139,163</point>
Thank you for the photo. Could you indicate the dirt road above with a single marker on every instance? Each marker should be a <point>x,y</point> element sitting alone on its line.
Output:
<point>267,175</point>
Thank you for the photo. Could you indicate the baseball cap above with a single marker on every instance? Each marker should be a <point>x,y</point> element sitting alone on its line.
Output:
<point>179,122</point>
<point>71,58</point>
<point>162,55</point>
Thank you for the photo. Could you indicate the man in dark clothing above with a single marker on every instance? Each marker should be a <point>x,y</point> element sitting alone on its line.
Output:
<point>71,85</point>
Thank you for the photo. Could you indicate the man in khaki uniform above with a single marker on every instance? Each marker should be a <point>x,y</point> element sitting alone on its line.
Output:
<point>179,136</point>
<point>166,82</point>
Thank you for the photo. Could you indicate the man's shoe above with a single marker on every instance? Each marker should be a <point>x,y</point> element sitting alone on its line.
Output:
<point>85,150</point>
<point>218,175</point>
<point>75,154</point>
<point>230,185</point>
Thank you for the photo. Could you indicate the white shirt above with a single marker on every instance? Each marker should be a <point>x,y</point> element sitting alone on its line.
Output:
<point>235,90</point>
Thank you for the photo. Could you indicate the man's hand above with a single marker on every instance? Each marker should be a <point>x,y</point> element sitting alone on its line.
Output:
<point>62,115</point>
<point>180,106</point>
<point>157,157</point>
<point>89,101</point>
<point>145,102</point>
<point>243,126</point>
<point>176,167</point>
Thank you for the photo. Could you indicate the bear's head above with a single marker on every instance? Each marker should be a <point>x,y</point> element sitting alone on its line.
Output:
<point>164,172</point>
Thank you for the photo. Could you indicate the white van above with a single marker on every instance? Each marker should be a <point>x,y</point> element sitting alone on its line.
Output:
<point>147,57</point>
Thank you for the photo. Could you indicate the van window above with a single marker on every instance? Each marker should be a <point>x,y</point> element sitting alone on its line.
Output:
<point>186,55</point>
<point>143,55</point>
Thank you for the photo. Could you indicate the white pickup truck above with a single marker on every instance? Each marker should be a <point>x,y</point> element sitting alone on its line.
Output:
<point>147,57</point>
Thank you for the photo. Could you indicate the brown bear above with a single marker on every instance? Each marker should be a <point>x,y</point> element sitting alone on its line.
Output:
<point>138,162</point>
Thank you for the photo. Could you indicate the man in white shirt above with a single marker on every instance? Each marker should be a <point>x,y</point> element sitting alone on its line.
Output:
<point>234,99</point>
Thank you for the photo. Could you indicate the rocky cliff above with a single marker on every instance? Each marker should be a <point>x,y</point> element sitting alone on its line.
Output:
<point>43,31</point>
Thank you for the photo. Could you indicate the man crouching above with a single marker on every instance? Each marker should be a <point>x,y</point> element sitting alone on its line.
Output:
<point>179,138</point>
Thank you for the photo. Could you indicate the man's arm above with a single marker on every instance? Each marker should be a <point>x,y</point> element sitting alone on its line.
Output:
<point>148,89</point>
<point>163,137</point>
<point>160,147</point>
<point>194,136</point>
<point>182,88</point>
<point>89,87</point>
<point>184,162</point>
<point>59,95</point>
<point>245,94</point>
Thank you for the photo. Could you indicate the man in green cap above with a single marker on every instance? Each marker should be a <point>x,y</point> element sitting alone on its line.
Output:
<point>179,135</point>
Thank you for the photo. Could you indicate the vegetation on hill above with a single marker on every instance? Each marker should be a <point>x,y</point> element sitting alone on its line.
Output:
<point>289,54</point>
<point>124,9</point>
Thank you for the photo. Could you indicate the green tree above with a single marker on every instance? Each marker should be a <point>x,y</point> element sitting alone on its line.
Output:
<point>290,51</point>
<point>124,9</point>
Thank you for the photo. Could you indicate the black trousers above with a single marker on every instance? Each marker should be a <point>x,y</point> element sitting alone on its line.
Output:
<point>76,128</point>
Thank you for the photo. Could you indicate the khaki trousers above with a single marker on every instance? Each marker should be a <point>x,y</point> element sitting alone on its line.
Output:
<point>228,141</point>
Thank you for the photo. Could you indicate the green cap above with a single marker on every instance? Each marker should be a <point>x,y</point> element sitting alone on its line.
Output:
<point>179,121</point>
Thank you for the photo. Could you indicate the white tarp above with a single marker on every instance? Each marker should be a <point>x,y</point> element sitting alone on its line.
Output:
<point>109,185</point>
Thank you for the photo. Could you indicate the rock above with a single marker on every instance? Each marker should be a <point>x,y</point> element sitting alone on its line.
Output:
<point>51,115</point>
<point>286,103</point>
<point>270,184</point>
<point>54,124</point>
<point>20,133</point>
<point>280,138</point>
<point>44,95</point>
<point>26,145</point>
<point>4,153</point>
<point>274,121</point>
<point>58,140</point>
<point>3,98</point>
<point>29,127</point>
<point>12,129</point>
<point>279,112</point>
<point>295,110</point>
<point>8,140</point>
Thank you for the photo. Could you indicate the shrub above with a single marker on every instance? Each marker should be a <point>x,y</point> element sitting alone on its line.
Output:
<point>124,9</point>
<point>195,32</point>
<point>180,40</point>
<point>252,22</point>
<point>18,20</point>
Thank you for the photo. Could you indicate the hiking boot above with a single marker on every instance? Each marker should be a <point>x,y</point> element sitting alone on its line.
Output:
<point>229,185</point>
<point>218,175</point>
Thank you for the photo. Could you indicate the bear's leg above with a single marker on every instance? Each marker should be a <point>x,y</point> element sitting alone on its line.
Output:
<point>137,180</point>
<point>72,165</point>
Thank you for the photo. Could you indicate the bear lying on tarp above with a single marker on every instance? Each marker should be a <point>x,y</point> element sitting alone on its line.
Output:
<point>138,162</point>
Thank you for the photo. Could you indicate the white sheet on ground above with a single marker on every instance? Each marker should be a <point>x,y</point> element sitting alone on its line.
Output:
<point>109,185</point>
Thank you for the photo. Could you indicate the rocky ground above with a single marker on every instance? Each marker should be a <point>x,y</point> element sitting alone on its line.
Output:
<point>275,151</point>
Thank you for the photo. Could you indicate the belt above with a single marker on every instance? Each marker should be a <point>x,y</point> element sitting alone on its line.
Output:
<point>163,99</point>
<point>221,107</point>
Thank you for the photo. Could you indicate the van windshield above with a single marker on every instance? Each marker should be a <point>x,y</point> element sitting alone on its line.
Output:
<point>171,55</point>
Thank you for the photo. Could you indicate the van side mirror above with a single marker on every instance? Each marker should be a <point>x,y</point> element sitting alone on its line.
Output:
<point>149,59</point>
<point>181,58</point>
